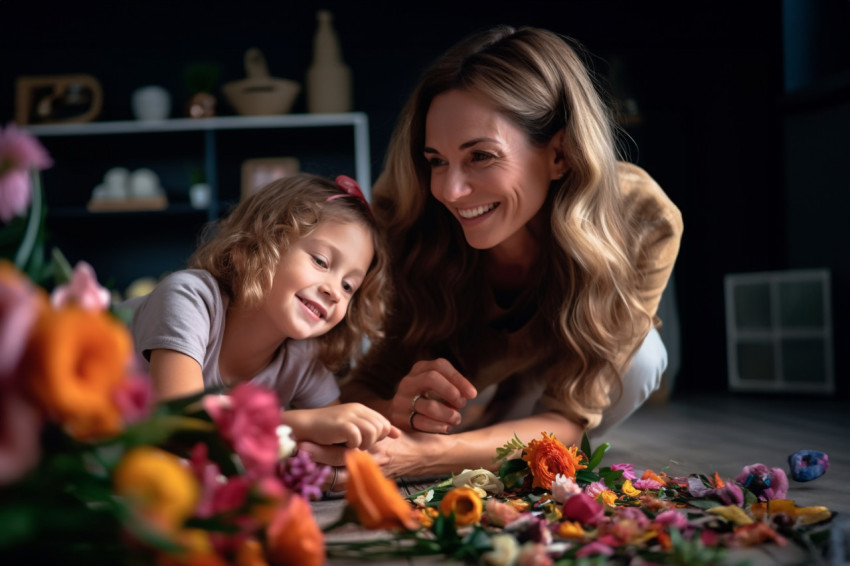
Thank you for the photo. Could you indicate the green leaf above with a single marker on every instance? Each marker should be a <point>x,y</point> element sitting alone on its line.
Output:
<point>509,448</point>
<point>585,444</point>
<point>160,428</point>
<point>596,459</point>
<point>513,472</point>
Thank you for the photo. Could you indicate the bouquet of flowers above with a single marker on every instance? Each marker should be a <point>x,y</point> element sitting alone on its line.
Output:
<point>91,470</point>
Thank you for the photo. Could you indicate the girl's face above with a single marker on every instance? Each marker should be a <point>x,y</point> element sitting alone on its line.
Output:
<point>317,277</point>
<point>484,169</point>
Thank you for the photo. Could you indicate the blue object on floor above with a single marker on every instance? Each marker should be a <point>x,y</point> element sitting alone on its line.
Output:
<point>807,465</point>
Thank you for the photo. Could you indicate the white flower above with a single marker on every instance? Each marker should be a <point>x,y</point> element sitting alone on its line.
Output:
<point>563,488</point>
<point>504,553</point>
<point>422,500</point>
<point>286,443</point>
<point>480,479</point>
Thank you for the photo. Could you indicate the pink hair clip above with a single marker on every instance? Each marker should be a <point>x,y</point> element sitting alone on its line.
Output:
<point>350,188</point>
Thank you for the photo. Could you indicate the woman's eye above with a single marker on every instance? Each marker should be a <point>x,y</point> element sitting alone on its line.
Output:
<point>435,162</point>
<point>481,156</point>
<point>320,261</point>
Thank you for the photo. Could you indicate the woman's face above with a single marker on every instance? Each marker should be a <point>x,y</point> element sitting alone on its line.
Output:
<point>484,169</point>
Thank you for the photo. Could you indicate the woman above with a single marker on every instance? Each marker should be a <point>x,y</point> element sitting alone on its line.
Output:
<point>528,263</point>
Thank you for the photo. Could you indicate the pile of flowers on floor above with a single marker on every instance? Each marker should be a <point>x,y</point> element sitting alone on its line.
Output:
<point>553,504</point>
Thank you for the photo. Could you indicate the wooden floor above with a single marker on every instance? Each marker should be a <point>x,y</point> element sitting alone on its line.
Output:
<point>723,433</point>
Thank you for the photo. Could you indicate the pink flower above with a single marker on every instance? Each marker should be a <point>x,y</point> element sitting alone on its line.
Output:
<point>672,518</point>
<point>628,470</point>
<point>19,153</point>
<point>584,509</point>
<point>500,514</point>
<point>563,488</point>
<point>594,489</point>
<point>248,419</point>
<point>765,483</point>
<point>20,428</point>
<point>533,554</point>
<point>593,549</point>
<point>19,307</point>
<point>135,398</point>
<point>83,290</point>
<point>647,484</point>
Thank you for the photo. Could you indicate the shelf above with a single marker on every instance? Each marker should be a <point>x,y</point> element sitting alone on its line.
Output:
<point>359,121</point>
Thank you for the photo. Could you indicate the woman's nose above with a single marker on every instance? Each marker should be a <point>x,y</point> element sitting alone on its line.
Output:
<point>454,185</point>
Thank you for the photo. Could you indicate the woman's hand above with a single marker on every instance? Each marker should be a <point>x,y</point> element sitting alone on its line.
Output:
<point>429,398</point>
<point>351,425</point>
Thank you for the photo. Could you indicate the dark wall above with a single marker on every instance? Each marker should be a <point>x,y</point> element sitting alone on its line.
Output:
<point>707,78</point>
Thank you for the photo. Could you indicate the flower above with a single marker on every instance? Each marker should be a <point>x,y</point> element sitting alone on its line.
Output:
<point>248,419</point>
<point>20,303</point>
<point>75,362</point>
<point>548,457</point>
<point>464,503</point>
<point>563,488</point>
<point>303,476</point>
<point>83,291</point>
<point>157,486</point>
<point>293,535</point>
<point>627,469</point>
<point>504,553</point>
<point>765,483</point>
<point>19,153</point>
<point>499,513</point>
<point>584,509</point>
<point>20,429</point>
<point>377,501</point>
<point>480,478</point>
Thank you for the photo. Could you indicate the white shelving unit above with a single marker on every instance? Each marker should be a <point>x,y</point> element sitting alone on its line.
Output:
<point>779,331</point>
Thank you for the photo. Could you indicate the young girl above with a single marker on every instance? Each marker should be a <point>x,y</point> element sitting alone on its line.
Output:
<point>280,295</point>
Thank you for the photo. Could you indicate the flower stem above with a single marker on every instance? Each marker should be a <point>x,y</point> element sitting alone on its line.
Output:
<point>28,243</point>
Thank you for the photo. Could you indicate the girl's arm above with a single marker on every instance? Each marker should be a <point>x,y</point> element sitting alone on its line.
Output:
<point>174,374</point>
<point>351,424</point>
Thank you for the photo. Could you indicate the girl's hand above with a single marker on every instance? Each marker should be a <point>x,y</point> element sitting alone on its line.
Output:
<point>351,425</point>
<point>429,398</point>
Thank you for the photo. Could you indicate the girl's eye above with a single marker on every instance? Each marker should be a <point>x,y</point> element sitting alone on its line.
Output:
<point>320,261</point>
<point>347,287</point>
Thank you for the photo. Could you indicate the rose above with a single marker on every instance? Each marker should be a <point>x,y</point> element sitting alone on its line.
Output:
<point>377,501</point>
<point>157,486</point>
<point>548,457</point>
<point>584,509</point>
<point>83,290</point>
<point>20,304</point>
<point>74,363</point>
<point>501,514</point>
<point>765,483</point>
<point>464,503</point>
<point>563,488</point>
<point>248,419</point>
<point>480,478</point>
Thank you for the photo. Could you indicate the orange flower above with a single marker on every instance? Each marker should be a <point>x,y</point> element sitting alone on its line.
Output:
<point>158,486</point>
<point>571,530</point>
<point>74,363</point>
<point>250,553</point>
<point>376,499</point>
<point>548,457</point>
<point>464,503</point>
<point>650,475</point>
<point>293,537</point>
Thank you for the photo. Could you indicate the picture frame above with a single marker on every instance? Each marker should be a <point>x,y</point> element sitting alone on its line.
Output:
<point>258,172</point>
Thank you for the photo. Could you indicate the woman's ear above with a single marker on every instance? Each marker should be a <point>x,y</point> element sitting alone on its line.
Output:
<point>558,157</point>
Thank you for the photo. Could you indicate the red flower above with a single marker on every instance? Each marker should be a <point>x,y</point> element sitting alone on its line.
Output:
<point>584,509</point>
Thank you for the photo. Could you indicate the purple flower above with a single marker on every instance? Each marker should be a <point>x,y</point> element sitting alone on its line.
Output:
<point>303,476</point>
<point>765,483</point>
<point>729,494</point>
<point>627,469</point>
<point>19,307</point>
<point>19,153</point>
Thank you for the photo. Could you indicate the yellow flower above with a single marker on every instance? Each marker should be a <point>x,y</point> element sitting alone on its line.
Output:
<point>75,361</point>
<point>571,530</point>
<point>630,489</point>
<point>609,498</point>
<point>376,499</point>
<point>548,457</point>
<point>465,504</point>
<point>806,515</point>
<point>158,486</point>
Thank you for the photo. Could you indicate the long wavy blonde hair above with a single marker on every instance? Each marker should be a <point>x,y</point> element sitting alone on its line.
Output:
<point>243,249</point>
<point>588,296</point>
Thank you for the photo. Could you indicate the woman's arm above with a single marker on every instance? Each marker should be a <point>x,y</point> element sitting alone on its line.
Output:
<point>175,374</point>
<point>422,454</point>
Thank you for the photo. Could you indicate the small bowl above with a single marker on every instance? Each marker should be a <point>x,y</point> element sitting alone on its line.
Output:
<point>261,96</point>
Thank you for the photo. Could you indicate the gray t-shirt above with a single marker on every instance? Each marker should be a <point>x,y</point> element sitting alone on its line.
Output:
<point>186,313</point>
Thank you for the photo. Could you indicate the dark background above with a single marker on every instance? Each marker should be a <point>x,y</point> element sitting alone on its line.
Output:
<point>744,106</point>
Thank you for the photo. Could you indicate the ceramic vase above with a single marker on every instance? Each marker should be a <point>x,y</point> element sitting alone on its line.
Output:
<point>328,77</point>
